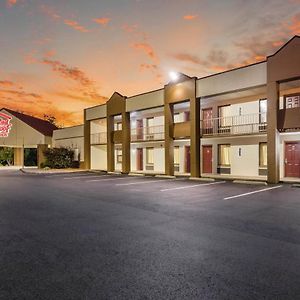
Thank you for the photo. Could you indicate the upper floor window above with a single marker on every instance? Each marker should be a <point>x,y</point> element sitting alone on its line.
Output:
<point>292,101</point>
<point>118,126</point>
<point>263,106</point>
<point>224,116</point>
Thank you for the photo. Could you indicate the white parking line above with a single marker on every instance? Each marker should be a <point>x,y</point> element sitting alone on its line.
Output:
<point>254,192</point>
<point>191,186</point>
<point>148,181</point>
<point>109,179</point>
<point>86,176</point>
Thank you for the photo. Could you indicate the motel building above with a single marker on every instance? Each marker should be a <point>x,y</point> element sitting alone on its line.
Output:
<point>26,135</point>
<point>242,124</point>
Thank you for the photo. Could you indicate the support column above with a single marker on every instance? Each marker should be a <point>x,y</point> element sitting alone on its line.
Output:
<point>195,136</point>
<point>125,142</point>
<point>40,154</point>
<point>272,132</point>
<point>169,140</point>
<point>110,144</point>
<point>87,142</point>
<point>18,157</point>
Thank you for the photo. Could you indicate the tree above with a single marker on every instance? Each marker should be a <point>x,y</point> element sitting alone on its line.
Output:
<point>6,156</point>
<point>51,119</point>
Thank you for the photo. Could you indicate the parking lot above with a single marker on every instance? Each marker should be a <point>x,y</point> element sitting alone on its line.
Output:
<point>93,235</point>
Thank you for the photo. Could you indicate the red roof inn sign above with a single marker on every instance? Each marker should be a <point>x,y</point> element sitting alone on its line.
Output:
<point>5,124</point>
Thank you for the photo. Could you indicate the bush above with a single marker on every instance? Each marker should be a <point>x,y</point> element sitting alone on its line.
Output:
<point>6,156</point>
<point>58,158</point>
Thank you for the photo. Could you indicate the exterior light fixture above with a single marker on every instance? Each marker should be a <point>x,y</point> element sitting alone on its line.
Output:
<point>174,76</point>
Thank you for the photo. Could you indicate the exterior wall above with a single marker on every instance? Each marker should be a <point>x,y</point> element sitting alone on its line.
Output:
<point>284,138</point>
<point>96,112</point>
<point>22,134</point>
<point>145,101</point>
<point>245,165</point>
<point>159,156</point>
<point>239,79</point>
<point>99,157</point>
<point>70,137</point>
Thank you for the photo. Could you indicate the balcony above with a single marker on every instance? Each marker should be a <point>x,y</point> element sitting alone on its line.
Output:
<point>143,134</point>
<point>99,138</point>
<point>235,125</point>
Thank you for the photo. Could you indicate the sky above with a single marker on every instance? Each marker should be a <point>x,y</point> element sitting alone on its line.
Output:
<point>61,56</point>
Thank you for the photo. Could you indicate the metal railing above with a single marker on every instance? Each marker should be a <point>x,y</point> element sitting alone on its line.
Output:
<point>244,124</point>
<point>153,133</point>
<point>99,138</point>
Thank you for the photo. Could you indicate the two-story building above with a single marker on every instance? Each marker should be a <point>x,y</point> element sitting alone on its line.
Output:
<point>242,123</point>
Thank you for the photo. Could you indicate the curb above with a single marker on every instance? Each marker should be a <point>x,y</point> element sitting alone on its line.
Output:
<point>250,182</point>
<point>202,179</point>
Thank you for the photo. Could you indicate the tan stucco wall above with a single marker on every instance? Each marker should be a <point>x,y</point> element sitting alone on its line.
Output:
<point>96,112</point>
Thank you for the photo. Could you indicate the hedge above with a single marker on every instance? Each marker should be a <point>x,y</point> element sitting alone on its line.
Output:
<point>59,158</point>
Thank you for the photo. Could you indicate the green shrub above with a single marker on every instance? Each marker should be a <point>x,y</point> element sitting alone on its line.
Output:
<point>58,158</point>
<point>6,156</point>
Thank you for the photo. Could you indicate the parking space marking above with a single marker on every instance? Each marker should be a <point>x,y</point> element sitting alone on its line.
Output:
<point>148,181</point>
<point>191,186</point>
<point>86,176</point>
<point>109,179</point>
<point>254,192</point>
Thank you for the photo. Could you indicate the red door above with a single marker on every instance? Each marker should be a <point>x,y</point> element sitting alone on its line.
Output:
<point>139,159</point>
<point>187,159</point>
<point>207,120</point>
<point>139,130</point>
<point>207,159</point>
<point>292,159</point>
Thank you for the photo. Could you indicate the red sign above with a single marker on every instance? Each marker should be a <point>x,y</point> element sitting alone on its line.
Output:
<point>5,124</point>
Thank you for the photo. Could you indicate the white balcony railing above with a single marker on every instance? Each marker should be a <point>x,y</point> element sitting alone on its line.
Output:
<point>98,138</point>
<point>244,124</point>
<point>153,133</point>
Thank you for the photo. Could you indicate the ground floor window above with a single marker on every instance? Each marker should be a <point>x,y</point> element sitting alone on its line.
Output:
<point>176,155</point>
<point>263,155</point>
<point>119,156</point>
<point>224,155</point>
<point>150,156</point>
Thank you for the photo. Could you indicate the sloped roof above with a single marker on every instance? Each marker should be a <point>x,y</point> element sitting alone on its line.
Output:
<point>42,126</point>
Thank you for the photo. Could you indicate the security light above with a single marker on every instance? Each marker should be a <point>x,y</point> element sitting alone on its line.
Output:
<point>174,76</point>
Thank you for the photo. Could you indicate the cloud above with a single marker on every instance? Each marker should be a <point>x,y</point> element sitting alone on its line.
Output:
<point>190,17</point>
<point>76,26</point>
<point>87,86</point>
<point>130,28</point>
<point>294,26</point>
<point>11,3</point>
<point>147,49</point>
<point>102,21</point>
<point>6,83</point>
<point>185,57</point>
<point>50,12</point>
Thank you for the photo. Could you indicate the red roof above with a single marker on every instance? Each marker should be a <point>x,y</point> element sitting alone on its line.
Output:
<point>42,126</point>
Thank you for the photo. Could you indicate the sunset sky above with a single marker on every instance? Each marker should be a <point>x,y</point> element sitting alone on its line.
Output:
<point>61,56</point>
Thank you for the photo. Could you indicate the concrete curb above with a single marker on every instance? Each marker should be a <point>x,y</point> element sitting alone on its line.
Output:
<point>137,174</point>
<point>202,179</point>
<point>50,172</point>
<point>250,182</point>
<point>165,176</point>
<point>296,185</point>
<point>114,173</point>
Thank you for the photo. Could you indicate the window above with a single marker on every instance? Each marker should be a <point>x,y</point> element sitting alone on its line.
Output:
<point>176,155</point>
<point>263,155</point>
<point>150,124</point>
<point>118,126</point>
<point>225,116</point>
<point>119,156</point>
<point>224,155</point>
<point>150,156</point>
<point>263,111</point>
<point>177,118</point>
<point>292,101</point>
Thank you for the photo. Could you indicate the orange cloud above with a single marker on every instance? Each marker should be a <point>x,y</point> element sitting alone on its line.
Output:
<point>50,12</point>
<point>294,27</point>
<point>185,57</point>
<point>87,89</point>
<point>130,28</point>
<point>102,21</point>
<point>147,49</point>
<point>75,25</point>
<point>11,3</point>
<point>6,83</point>
<point>190,17</point>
